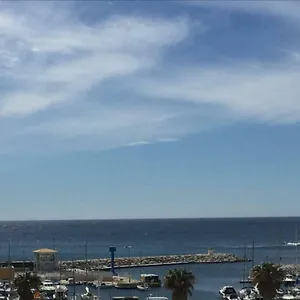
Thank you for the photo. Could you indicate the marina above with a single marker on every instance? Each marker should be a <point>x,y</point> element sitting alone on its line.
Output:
<point>82,261</point>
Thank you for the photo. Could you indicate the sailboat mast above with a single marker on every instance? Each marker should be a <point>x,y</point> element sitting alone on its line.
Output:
<point>296,243</point>
<point>252,254</point>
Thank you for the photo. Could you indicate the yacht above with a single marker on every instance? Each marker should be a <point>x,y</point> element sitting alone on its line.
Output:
<point>61,292</point>
<point>247,292</point>
<point>227,291</point>
<point>47,289</point>
<point>152,280</point>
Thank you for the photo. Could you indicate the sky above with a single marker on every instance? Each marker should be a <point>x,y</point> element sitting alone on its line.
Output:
<point>149,109</point>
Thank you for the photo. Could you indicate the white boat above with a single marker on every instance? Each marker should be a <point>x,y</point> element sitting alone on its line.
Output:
<point>47,289</point>
<point>142,287</point>
<point>125,285</point>
<point>47,286</point>
<point>247,292</point>
<point>61,292</point>
<point>88,295</point>
<point>233,297</point>
<point>227,291</point>
<point>289,297</point>
<point>103,284</point>
<point>156,298</point>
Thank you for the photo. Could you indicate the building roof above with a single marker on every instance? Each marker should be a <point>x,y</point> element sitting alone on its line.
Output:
<point>45,250</point>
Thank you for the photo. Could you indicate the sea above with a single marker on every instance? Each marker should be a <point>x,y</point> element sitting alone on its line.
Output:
<point>159,237</point>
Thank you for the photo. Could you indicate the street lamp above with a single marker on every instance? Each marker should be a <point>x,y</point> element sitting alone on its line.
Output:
<point>129,247</point>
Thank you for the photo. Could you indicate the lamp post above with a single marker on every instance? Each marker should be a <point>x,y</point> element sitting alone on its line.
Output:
<point>129,247</point>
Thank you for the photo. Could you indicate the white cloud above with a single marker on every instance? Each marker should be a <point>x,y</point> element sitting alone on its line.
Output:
<point>60,73</point>
<point>268,93</point>
<point>70,85</point>
<point>76,56</point>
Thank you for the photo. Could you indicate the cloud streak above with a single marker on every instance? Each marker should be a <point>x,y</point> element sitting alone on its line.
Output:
<point>53,60</point>
<point>71,84</point>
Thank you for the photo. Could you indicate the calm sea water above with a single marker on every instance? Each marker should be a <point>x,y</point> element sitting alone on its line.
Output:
<point>158,237</point>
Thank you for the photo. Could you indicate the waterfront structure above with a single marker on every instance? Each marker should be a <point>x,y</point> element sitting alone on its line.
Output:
<point>7,273</point>
<point>112,251</point>
<point>45,260</point>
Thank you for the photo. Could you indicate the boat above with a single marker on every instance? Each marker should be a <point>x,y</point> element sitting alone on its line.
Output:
<point>289,297</point>
<point>142,287</point>
<point>125,285</point>
<point>233,297</point>
<point>247,291</point>
<point>88,295</point>
<point>152,280</point>
<point>103,285</point>
<point>125,298</point>
<point>61,292</point>
<point>156,298</point>
<point>47,289</point>
<point>227,291</point>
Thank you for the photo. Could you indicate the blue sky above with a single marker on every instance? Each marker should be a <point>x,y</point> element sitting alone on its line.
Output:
<point>149,109</point>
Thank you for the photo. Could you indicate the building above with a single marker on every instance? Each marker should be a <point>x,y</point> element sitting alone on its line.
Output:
<point>7,273</point>
<point>45,260</point>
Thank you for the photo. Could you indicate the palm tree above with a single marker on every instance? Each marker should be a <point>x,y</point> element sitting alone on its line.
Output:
<point>268,278</point>
<point>180,282</point>
<point>25,283</point>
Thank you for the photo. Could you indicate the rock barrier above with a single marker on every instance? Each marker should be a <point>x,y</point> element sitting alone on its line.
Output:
<point>146,261</point>
<point>292,269</point>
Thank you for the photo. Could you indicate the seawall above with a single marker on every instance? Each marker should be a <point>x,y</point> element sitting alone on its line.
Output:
<point>147,261</point>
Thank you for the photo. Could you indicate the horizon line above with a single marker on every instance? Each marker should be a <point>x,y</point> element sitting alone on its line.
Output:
<point>149,219</point>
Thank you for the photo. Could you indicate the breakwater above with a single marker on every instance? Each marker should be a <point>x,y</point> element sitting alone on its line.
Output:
<point>291,269</point>
<point>147,261</point>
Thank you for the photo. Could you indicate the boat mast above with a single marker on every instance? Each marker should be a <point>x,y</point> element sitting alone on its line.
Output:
<point>245,266</point>
<point>253,248</point>
<point>296,240</point>
<point>74,282</point>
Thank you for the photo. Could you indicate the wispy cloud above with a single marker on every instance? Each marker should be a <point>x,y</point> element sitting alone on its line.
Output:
<point>51,60</point>
<point>72,83</point>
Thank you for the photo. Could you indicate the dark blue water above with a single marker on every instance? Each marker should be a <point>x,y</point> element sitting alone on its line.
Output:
<point>157,237</point>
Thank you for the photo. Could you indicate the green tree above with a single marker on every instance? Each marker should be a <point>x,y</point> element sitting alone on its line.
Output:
<point>25,283</point>
<point>268,278</point>
<point>180,282</point>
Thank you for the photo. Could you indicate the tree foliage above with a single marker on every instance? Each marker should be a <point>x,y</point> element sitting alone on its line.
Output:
<point>268,278</point>
<point>180,282</point>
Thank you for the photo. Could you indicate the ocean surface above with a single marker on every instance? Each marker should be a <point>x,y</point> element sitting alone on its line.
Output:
<point>159,237</point>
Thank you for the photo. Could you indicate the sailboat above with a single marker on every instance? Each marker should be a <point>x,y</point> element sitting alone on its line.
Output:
<point>248,279</point>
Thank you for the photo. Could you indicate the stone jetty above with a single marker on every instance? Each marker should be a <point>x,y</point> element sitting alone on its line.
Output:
<point>147,261</point>
<point>291,269</point>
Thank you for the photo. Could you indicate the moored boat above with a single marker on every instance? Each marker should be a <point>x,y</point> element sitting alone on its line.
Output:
<point>152,280</point>
<point>142,287</point>
<point>227,291</point>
